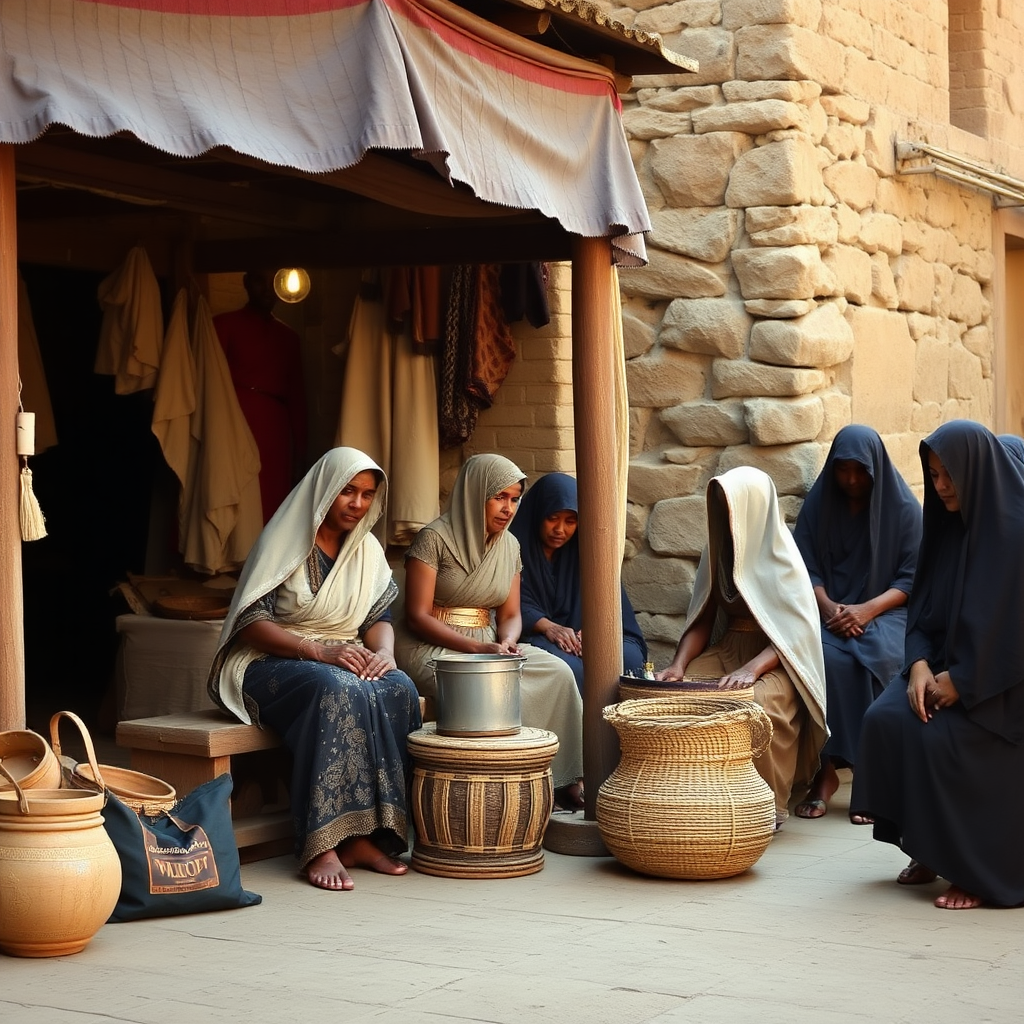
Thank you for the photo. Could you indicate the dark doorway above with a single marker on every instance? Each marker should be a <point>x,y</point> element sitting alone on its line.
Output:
<point>94,488</point>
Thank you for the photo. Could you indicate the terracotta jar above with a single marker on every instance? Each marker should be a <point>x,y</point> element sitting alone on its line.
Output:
<point>685,800</point>
<point>60,875</point>
<point>28,757</point>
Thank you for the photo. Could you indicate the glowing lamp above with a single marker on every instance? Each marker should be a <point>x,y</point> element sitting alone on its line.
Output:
<point>291,284</point>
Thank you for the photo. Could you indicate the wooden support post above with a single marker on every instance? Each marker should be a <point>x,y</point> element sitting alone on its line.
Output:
<point>12,625</point>
<point>593,375</point>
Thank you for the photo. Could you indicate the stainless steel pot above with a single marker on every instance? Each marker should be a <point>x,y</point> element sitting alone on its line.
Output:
<point>478,694</point>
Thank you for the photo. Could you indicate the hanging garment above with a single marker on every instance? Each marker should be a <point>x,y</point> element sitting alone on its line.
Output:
<point>223,514</point>
<point>132,332</point>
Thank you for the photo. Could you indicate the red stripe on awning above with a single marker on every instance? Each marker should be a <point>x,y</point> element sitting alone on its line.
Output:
<point>230,8</point>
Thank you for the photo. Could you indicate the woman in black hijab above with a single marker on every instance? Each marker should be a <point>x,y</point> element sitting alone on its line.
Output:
<point>940,768</point>
<point>858,532</point>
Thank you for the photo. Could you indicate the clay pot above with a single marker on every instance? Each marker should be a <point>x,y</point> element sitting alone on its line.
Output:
<point>685,800</point>
<point>60,876</point>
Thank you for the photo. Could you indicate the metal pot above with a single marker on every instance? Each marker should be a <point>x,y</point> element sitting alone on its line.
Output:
<point>478,694</point>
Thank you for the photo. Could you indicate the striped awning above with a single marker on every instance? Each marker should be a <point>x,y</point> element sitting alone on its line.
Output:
<point>315,84</point>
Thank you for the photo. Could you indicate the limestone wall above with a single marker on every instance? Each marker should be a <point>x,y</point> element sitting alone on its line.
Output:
<point>796,284</point>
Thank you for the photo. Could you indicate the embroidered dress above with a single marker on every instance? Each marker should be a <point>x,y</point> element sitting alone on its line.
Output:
<point>347,735</point>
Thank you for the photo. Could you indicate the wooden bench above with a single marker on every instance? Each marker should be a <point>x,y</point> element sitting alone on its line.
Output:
<point>193,747</point>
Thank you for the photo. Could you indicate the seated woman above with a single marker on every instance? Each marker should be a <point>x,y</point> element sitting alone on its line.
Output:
<point>941,759</point>
<point>858,532</point>
<point>460,569</point>
<point>1015,446</point>
<point>753,592</point>
<point>307,649</point>
<point>545,527</point>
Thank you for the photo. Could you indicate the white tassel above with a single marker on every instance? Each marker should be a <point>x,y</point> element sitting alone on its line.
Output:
<point>33,525</point>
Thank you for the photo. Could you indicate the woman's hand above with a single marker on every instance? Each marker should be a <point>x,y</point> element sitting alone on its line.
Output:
<point>849,620</point>
<point>748,674</point>
<point>674,672</point>
<point>921,682</point>
<point>742,678</point>
<point>567,639</point>
<point>506,646</point>
<point>942,693</point>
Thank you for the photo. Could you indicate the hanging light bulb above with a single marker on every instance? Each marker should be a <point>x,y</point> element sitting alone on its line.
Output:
<point>291,284</point>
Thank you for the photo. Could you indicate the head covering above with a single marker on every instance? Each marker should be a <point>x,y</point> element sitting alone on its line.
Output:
<point>359,577</point>
<point>551,590</point>
<point>769,575</point>
<point>462,526</point>
<point>984,641</point>
<point>894,523</point>
<point>1014,445</point>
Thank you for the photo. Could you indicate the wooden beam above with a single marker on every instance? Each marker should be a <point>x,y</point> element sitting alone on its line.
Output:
<point>593,376</point>
<point>146,185</point>
<point>392,183</point>
<point>12,624</point>
<point>476,244</point>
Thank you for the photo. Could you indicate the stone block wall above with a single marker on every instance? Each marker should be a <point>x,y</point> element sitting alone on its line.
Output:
<point>796,283</point>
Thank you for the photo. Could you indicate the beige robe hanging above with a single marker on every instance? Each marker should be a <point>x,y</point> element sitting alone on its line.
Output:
<point>174,400</point>
<point>222,511</point>
<point>389,411</point>
<point>132,332</point>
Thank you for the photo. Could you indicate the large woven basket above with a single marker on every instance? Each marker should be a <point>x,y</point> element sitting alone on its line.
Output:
<point>685,800</point>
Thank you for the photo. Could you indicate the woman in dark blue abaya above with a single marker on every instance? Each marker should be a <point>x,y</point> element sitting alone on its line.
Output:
<point>545,527</point>
<point>941,758</point>
<point>858,532</point>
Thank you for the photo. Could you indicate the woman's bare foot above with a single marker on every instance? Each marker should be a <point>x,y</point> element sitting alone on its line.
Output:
<point>823,788</point>
<point>327,872</point>
<point>915,874</point>
<point>359,852</point>
<point>861,819</point>
<point>955,898</point>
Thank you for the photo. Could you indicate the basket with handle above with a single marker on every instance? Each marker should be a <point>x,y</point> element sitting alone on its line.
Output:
<point>144,794</point>
<point>28,758</point>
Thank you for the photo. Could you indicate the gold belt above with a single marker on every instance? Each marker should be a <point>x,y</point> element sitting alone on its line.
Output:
<point>468,618</point>
<point>744,625</point>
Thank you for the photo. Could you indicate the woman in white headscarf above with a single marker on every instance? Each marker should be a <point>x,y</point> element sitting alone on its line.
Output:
<point>753,591</point>
<point>462,579</point>
<point>307,648</point>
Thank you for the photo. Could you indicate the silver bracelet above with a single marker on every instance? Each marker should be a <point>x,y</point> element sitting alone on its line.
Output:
<point>298,650</point>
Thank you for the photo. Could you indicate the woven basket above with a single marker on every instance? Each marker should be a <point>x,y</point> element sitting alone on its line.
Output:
<point>144,794</point>
<point>699,687</point>
<point>685,800</point>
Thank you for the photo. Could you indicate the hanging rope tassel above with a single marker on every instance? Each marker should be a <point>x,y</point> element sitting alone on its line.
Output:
<point>33,524</point>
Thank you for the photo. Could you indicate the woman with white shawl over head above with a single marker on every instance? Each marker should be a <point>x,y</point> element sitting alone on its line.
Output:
<point>753,597</point>
<point>462,581</point>
<point>307,648</point>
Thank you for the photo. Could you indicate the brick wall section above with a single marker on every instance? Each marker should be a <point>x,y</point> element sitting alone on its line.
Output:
<point>531,420</point>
